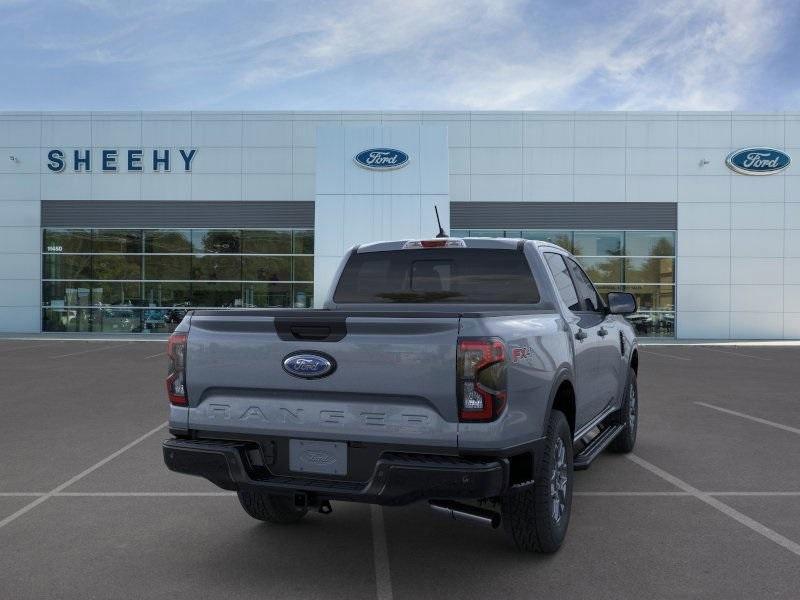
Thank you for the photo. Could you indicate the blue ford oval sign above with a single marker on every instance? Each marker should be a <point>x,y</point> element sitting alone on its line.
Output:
<point>758,161</point>
<point>381,159</point>
<point>308,365</point>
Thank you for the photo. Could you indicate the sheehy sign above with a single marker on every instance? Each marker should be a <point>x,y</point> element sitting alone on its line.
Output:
<point>134,160</point>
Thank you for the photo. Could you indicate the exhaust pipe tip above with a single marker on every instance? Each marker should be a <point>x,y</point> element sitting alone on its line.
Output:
<point>458,511</point>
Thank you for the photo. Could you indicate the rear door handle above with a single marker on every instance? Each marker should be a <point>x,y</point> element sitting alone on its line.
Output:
<point>602,332</point>
<point>580,335</point>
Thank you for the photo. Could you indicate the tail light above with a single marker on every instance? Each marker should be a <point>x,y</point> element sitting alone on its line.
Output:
<point>176,376</point>
<point>481,376</point>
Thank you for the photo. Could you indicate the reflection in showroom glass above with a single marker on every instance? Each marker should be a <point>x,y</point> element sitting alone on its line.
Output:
<point>114,280</point>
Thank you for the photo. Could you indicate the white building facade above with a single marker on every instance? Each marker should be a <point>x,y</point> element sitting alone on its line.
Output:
<point>120,222</point>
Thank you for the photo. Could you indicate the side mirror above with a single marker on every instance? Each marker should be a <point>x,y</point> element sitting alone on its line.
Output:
<point>621,303</point>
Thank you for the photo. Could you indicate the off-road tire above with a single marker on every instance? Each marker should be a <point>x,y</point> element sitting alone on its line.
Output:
<point>626,439</point>
<point>271,508</point>
<point>528,513</point>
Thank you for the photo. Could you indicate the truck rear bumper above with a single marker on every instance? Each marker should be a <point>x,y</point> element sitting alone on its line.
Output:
<point>398,478</point>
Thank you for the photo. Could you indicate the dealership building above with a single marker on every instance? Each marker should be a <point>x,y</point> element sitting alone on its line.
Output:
<point>119,222</point>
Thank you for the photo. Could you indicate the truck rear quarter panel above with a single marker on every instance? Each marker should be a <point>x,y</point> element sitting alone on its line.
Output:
<point>538,351</point>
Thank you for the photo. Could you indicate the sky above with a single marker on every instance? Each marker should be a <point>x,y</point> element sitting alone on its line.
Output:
<point>400,55</point>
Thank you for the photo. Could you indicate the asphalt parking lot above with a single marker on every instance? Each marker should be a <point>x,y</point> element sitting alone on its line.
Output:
<point>708,506</point>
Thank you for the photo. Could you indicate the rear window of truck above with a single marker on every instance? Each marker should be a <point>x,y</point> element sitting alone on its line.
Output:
<point>438,275</point>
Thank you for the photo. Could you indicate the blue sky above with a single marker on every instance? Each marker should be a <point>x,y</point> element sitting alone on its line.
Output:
<point>400,54</point>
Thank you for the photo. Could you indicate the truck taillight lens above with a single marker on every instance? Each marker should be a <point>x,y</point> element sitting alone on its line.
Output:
<point>176,376</point>
<point>481,372</point>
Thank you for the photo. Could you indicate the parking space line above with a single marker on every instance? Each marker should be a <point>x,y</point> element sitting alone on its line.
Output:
<point>21,494</point>
<point>734,514</point>
<point>630,494</point>
<point>90,350</point>
<point>766,494</point>
<point>30,506</point>
<point>383,579</point>
<point>664,354</point>
<point>794,430</point>
<point>734,353</point>
<point>154,355</point>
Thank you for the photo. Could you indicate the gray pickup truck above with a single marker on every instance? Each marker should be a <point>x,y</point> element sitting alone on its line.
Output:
<point>475,374</point>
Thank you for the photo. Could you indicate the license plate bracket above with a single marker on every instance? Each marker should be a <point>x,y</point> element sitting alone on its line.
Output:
<point>318,456</point>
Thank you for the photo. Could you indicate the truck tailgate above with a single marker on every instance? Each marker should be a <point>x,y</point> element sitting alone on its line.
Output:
<point>394,380</point>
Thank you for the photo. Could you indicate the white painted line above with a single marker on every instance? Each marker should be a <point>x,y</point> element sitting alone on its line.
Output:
<point>89,350</point>
<point>664,354</point>
<point>630,494</point>
<point>734,343</point>
<point>734,514</point>
<point>794,430</point>
<point>21,494</point>
<point>154,355</point>
<point>142,494</point>
<point>383,578</point>
<point>683,494</point>
<point>734,353</point>
<point>30,506</point>
<point>757,494</point>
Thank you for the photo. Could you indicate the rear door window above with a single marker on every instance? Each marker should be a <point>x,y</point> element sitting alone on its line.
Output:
<point>587,295</point>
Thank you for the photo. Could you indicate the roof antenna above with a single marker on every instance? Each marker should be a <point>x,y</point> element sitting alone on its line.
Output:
<point>441,233</point>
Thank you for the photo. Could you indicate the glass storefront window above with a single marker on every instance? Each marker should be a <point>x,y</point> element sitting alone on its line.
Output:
<point>303,268</point>
<point>67,266</point>
<point>67,240</point>
<point>267,268</point>
<point>598,243</point>
<point>217,294</point>
<point>649,270</point>
<point>303,241</point>
<point>226,241</point>
<point>602,270</point>
<point>167,241</point>
<point>109,266</point>
<point>215,267</point>
<point>267,242</point>
<point>268,295</point>
<point>169,294</point>
<point>120,280</point>
<point>650,243</point>
<point>159,267</point>
<point>117,241</point>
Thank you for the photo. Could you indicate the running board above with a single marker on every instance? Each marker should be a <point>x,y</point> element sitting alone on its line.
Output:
<point>583,459</point>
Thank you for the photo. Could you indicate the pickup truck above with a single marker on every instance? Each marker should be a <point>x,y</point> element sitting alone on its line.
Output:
<point>475,374</point>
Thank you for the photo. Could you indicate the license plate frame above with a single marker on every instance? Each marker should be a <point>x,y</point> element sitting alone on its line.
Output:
<point>319,457</point>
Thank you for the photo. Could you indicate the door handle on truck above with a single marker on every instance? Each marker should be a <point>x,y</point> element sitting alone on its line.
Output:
<point>602,332</point>
<point>580,335</point>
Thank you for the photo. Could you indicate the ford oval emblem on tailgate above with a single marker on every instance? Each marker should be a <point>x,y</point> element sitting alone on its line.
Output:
<point>308,365</point>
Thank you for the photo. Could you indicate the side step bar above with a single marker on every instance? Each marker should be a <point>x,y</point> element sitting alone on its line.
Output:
<point>585,457</point>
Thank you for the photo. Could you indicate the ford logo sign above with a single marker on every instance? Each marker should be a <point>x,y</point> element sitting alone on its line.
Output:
<point>381,159</point>
<point>758,161</point>
<point>308,365</point>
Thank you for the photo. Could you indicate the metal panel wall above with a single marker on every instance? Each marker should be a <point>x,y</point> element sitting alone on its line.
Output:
<point>564,215</point>
<point>143,213</point>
